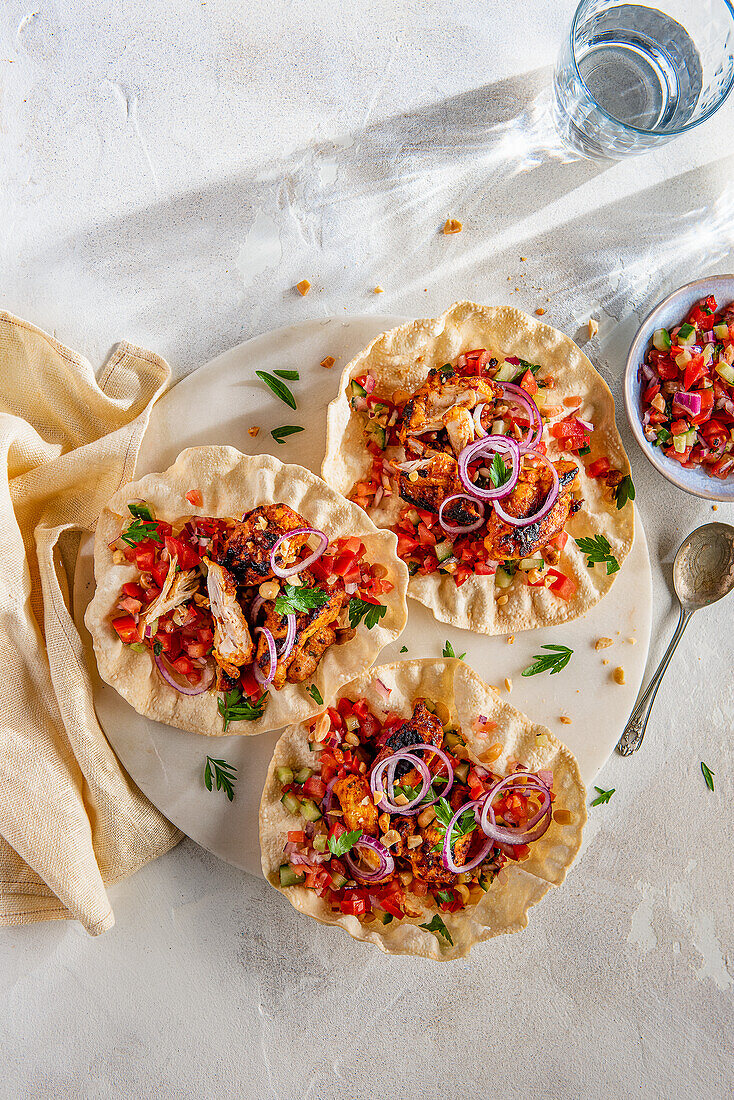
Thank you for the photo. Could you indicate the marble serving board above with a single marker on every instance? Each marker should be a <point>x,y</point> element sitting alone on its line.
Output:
<point>216,404</point>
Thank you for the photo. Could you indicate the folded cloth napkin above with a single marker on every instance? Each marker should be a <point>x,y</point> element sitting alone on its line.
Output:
<point>71,820</point>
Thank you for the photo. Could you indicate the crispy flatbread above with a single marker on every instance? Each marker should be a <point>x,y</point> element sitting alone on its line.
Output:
<point>401,359</point>
<point>230,484</point>
<point>504,908</point>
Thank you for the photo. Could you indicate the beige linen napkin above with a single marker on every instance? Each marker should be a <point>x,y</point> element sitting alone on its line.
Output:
<point>71,820</point>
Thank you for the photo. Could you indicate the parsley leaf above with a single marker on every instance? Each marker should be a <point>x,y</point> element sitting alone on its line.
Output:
<point>708,775</point>
<point>141,510</point>
<point>234,708</point>
<point>525,366</point>
<point>602,795</point>
<point>291,375</point>
<point>463,825</point>
<point>551,662</point>
<point>438,928</point>
<point>446,371</point>
<point>598,551</point>
<point>625,491</point>
<point>446,896</point>
<point>279,388</point>
<point>448,651</point>
<point>223,776</point>
<point>498,472</point>
<point>361,609</point>
<point>140,531</point>
<point>299,599</point>
<point>316,695</point>
<point>404,649</point>
<point>340,845</point>
<point>280,434</point>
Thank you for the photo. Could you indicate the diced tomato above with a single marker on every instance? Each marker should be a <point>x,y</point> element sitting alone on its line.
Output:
<point>482,569</point>
<point>406,545</point>
<point>559,540</point>
<point>650,392</point>
<point>570,432</point>
<point>127,603</point>
<point>715,434</point>
<point>351,545</point>
<point>425,537</point>
<point>160,572</point>
<point>336,718</point>
<point>707,404</point>
<point>185,553</point>
<point>314,787</point>
<point>667,368</point>
<point>722,468</point>
<point>563,586</point>
<point>529,383</point>
<point>297,836</point>
<point>183,665</point>
<point>130,588</point>
<point>678,427</point>
<point>127,629</point>
<point>344,706</point>
<point>702,313</point>
<point>355,902</point>
<point>197,649</point>
<point>598,467</point>
<point>346,565</point>
<point>694,372</point>
<point>249,684</point>
<point>194,497</point>
<point>323,567</point>
<point>145,553</point>
<point>419,888</point>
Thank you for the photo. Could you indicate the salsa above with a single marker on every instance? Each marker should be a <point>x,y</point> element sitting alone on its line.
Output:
<point>688,389</point>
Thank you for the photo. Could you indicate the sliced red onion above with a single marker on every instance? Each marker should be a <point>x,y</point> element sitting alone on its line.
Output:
<point>484,447</point>
<point>447,854</point>
<point>299,565</point>
<point>585,424</point>
<point>689,402</point>
<point>447,764</point>
<point>535,827</point>
<point>183,689</point>
<point>550,500</point>
<point>376,786</point>
<point>708,337</point>
<point>328,796</point>
<point>255,607</point>
<point>379,494</point>
<point>477,418</point>
<point>290,637</point>
<point>387,863</point>
<point>452,529</point>
<point>351,588</point>
<point>261,679</point>
<point>520,397</point>
<point>148,631</point>
<point>369,383</point>
<point>383,690</point>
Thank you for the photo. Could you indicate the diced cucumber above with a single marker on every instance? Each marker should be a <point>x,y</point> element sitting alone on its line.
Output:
<point>721,332</point>
<point>291,803</point>
<point>502,579</point>
<point>726,372</point>
<point>452,740</point>
<point>288,877</point>
<point>682,357</point>
<point>498,427</point>
<point>310,810</point>
<point>505,372</point>
<point>379,410</point>
<point>356,390</point>
<point>526,564</point>
<point>302,775</point>
<point>461,771</point>
<point>377,434</point>
<point>686,334</point>
<point>661,339</point>
<point>138,647</point>
<point>444,550</point>
<point>385,917</point>
<point>337,880</point>
<point>708,354</point>
<point>319,842</point>
<point>351,722</point>
<point>680,442</point>
<point>485,881</point>
<point>285,775</point>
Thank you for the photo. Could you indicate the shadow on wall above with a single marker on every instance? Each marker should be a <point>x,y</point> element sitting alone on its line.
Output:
<point>385,192</point>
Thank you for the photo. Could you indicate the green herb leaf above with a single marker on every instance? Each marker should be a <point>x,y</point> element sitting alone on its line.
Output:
<point>708,775</point>
<point>438,928</point>
<point>498,472</point>
<point>448,651</point>
<point>404,649</point>
<point>291,375</point>
<point>223,776</point>
<point>157,648</point>
<point>140,531</point>
<point>316,695</point>
<point>142,510</point>
<point>525,366</point>
<point>299,599</point>
<point>584,450</point>
<point>279,388</point>
<point>625,491</point>
<point>598,550</point>
<point>340,845</point>
<point>602,795</point>
<point>551,662</point>
<point>463,825</point>
<point>446,371</point>
<point>280,434</point>
<point>446,896</point>
<point>234,708</point>
<point>361,609</point>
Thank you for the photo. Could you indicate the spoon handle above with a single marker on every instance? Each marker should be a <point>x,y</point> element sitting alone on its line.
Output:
<point>634,731</point>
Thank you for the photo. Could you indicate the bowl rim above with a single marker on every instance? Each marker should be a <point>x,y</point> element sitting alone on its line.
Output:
<point>633,417</point>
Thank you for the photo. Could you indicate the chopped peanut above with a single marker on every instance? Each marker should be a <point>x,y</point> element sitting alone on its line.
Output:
<point>508,683</point>
<point>379,290</point>
<point>426,817</point>
<point>269,590</point>
<point>565,719</point>
<point>564,817</point>
<point>328,362</point>
<point>351,738</point>
<point>406,877</point>
<point>618,675</point>
<point>511,639</point>
<point>118,557</point>
<point>593,328</point>
<point>502,600</point>
<point>303,287</point>
<point>540,311</point>
<point>392,836</point>
<point>452,226</point>
<point>384,822</point>
<point>491,754</point>
<point>253,430</point>
<point>603,643</point>
<point>414,841</point>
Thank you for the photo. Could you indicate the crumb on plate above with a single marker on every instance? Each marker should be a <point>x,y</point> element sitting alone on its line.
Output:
<point>303,287</point>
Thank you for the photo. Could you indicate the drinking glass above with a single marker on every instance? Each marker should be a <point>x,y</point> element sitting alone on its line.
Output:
<point>631,77</point>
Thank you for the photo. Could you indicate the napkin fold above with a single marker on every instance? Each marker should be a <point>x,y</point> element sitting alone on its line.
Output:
<point>71,821</point>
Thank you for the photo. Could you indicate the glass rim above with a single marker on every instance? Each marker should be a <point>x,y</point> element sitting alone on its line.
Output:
<point>729,4</point>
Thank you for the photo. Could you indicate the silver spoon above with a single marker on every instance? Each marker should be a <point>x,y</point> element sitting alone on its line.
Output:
<point>703,572</point>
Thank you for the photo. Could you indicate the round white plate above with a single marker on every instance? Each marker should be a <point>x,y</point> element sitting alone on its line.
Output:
<point>217,404</point>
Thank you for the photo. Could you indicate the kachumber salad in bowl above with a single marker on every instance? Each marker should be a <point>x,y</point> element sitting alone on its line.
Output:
<point>419,811</point>
<point>486,442</point>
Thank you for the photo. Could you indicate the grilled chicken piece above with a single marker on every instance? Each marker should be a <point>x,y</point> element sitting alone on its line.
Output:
<point>246,553</point>
<point>177,589</point>
<point>355,799</point>
<point>422,726</point>
<point>233,645</point>
<point>504,541</point>
<point>405,827</point>
<point>438,478</point>
<point>460,428</point>
<point>311,635</point>
<point>427,864</point>
<point>432,406</point>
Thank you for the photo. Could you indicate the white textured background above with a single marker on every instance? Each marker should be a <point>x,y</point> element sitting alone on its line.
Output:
<point>168,170</point>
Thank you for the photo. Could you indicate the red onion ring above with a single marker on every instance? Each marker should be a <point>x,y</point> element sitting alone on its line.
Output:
<point>255,607</point>
<point>328,796</point>
<point>188,689</point>
<point>443,756</point>
<point>377,788</point>
<point>265,680</point>
<point>447,855</point>
<point>482,447</point>
<point>387,863</point>
<point>520,397</point>
<point>450,528</point>
<point>535,827</point>
<point>550,500</point>
<point>477,418</point>
<point>290,637</point>
<point>300,565</point>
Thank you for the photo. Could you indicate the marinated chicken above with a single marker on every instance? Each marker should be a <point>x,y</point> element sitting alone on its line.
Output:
<point>313,636</point>
<point>358,808</point>
<point>428,864</point>
<point>533,485</point>
<point>442,402</point>
<point>246,552</point>
<point>233,645</point>
<point>421,726</point>
<point>437,478</point>
<point>177,589</point>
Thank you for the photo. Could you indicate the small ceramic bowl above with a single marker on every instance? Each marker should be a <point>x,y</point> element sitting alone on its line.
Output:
<point>669,313</point>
